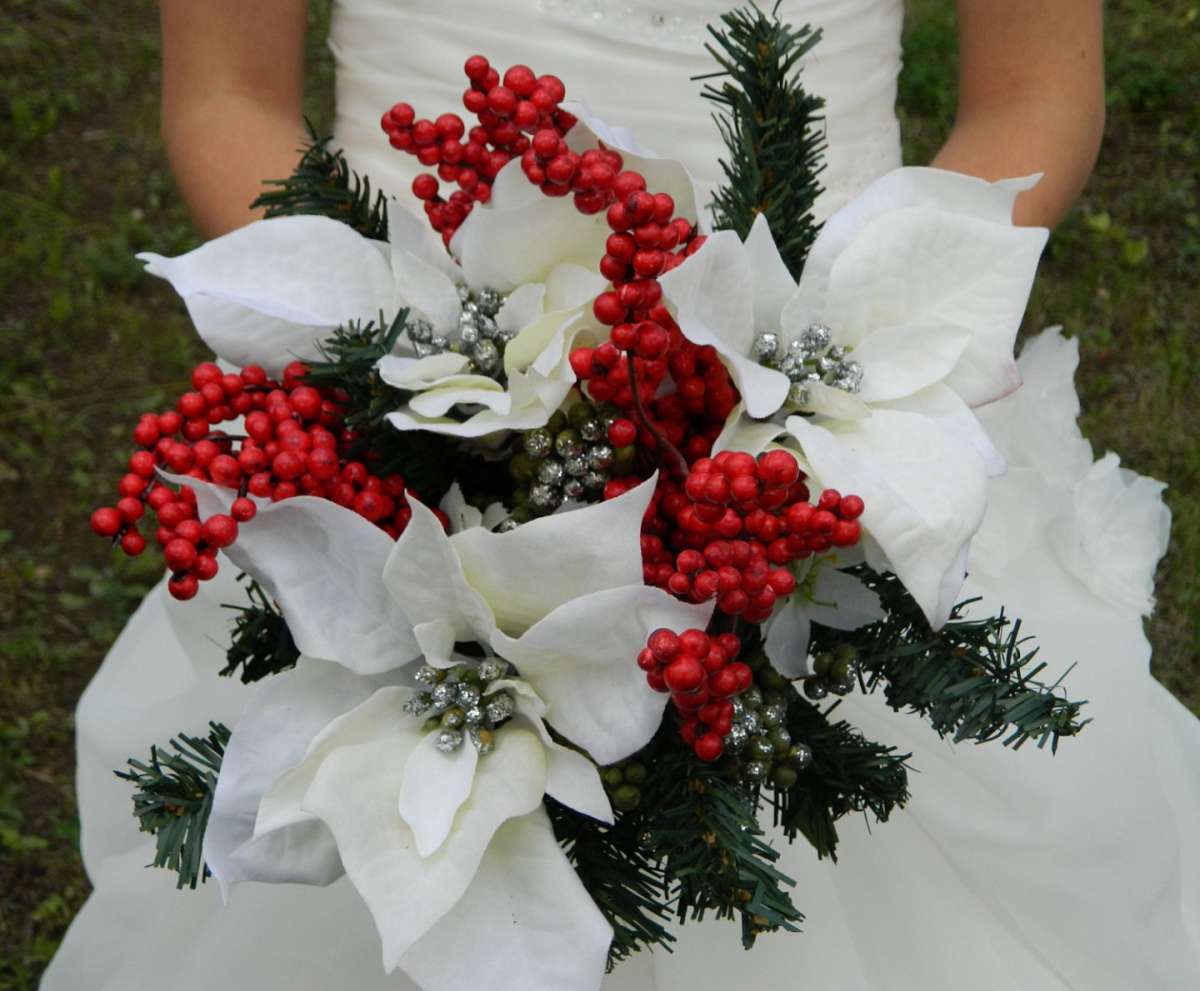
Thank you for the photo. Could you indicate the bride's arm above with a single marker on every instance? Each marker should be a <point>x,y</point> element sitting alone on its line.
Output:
<point>1031,98</point>
<point>232,92</point>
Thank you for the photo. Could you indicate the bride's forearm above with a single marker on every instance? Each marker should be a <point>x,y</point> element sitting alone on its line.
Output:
<point>232,95</point>
<point>1022,140</point>
<point>1030,98</point>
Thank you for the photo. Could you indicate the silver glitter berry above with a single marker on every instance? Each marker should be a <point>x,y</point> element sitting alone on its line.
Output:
<point>750,722</point>
<point>551,472</point>
<point>761,748</point>
<point>545,497</point>
<point>739,708</point>
<point>420,331</point>
<point>576,465</point>
<point>816,337</point>
<point>736,738</point>
<point>464,293</point>
<point>453,718</point>
<point>493,668</point>
<point>443,695</point>
<point>449,740</point>
<point>591,430</point>
<point>815,689</point>
<point>500,707</point>
<point>538,443</point>
<point>467,695</point>
<point>600,457</point>
<point>490,301</point>
<point>765,348</point>
<point>800,755</point>
<point>567,444</point>
<point>595,480</point>
<point>468,330</point>
<point>793,368</point>
<point>752,698</point>
<point>474,715</point>
<point>773,715</point>
<point>419,704</point>
<point>507,525</point>
<point>843,685</point>
<point>428,675</point>
<point>756,769</point>
<point>440,343</point>
<point>573,488</point>
<point>798,395</point>
<point>483,744</point>
<point>486,356</point>
<point>825,365</point>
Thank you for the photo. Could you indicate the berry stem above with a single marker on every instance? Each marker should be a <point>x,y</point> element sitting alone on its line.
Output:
<point>678,462</point>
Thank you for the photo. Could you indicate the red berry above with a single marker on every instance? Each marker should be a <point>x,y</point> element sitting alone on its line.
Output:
<point>708,747</point>
<point>183,587</point>
<point>220,530</point>
<point>243,509</point>
<point>106,521</point>
<point>664,644</point>
<point>205,568</point>
<point>132,542</point>
<point>851,507</point>
<point>179,554</point>
<point>685,674</point>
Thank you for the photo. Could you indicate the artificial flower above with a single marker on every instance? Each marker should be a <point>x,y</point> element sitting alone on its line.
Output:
<point>922,281</point>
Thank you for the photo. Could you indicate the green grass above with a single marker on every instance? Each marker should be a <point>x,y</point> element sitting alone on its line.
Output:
<point>86,342</point>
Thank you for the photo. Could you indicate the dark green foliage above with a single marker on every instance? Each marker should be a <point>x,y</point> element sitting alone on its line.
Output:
<point>972,679</point>
<point>772,128</point>
<point>625,882</point>
<point>262,644</point>
<point>174,798</point>
<point>324,185</point>
<point>848,774</point>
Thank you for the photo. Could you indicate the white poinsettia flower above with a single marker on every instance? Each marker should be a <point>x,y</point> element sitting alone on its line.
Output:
<point>332,768</point>
<point>921,281</point>
<point>824,595</point>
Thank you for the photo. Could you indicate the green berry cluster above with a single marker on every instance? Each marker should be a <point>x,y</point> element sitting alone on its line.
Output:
<point>759,734</point>
<point>833,671</point>
<point>623,783</point>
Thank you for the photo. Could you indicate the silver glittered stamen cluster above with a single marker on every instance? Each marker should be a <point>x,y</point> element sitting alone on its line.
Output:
<point>478,336</point>
<point>462,703</point>
<point>760,735</point>
<point>811,357</point>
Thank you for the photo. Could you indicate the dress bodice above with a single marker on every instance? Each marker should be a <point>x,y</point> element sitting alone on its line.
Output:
<point>631,60</point>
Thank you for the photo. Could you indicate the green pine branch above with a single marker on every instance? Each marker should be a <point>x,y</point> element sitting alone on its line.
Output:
<point>626,883</point>
<point>848,773</point>
<point>974,679</point>
<point>324,185</point>
<point>261,644</point>
<point>173,799</point>
<point>772,128</point>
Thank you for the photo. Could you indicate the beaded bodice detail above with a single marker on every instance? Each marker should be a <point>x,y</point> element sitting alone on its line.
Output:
<point>632,61</point>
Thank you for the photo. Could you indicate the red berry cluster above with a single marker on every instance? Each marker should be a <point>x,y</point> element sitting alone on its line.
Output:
<point>295,444</point>
<point>508,111</point>
<point>733,527</point>
<point>702,673</point>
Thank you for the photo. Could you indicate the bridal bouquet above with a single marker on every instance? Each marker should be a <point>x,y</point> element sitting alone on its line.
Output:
<point>562,517</point>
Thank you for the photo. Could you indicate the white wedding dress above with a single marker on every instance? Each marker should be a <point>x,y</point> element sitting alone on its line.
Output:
<point>1006,871</point>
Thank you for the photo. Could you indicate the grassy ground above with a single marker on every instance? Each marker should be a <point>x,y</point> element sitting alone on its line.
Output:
<point>86,342</point>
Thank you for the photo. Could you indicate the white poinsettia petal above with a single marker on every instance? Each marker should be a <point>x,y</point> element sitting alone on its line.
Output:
<point>786,642</point>
<point>925,493</point>
<point>901,360</point>
<point>355,793</point>
<point>837,404</point>
<point>481,424</point>
<point>526,573</point>
<point>271,290</point>
<point>426,580</point>
<point>662,175</point>
<point>899,189</point>
<point>425,289</point>
<point>412,234</point>
<point>505,247</point>
<point>521,307</point>
<point>553,936</point>
<point>459,512</point>
<point>741,433</point>
<point>570,777</point>
<point>280,720</point>
<point>569,286</point>
<point>773,283</point>
<point>466,390</point>
<point>435,785</point>
<point>841,601</point>
<point>379,716</point>
<point>581,659</point>
<point>943,405</point>
<point>322,564</point>
<point>436,639</point>
<point>712,292</point>
<point>415,374</point>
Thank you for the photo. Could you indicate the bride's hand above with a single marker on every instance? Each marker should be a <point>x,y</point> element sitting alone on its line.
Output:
<point>232,98</point>
<point>1031,98</point>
